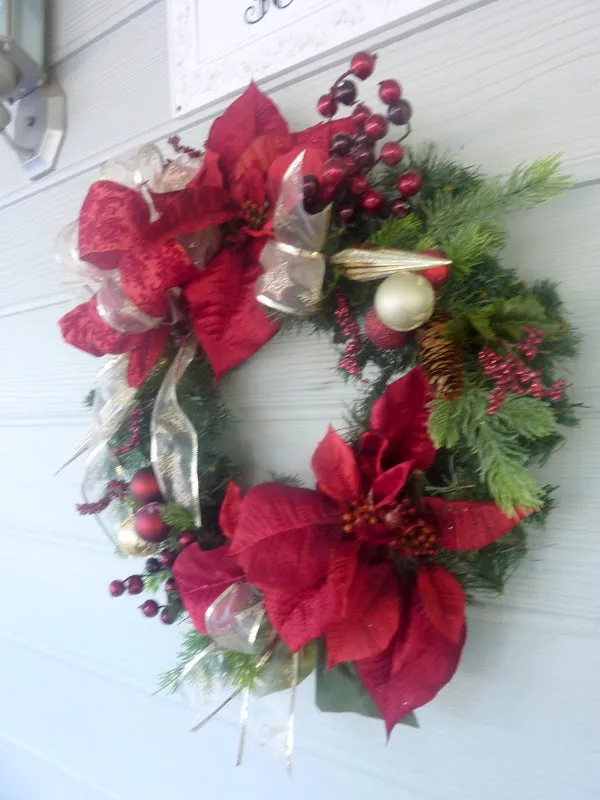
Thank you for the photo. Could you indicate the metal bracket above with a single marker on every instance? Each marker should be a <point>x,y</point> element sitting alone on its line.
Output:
<point>39,128</point>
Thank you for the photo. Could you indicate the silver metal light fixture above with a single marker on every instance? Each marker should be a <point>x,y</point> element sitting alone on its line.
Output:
<point>39,121</point>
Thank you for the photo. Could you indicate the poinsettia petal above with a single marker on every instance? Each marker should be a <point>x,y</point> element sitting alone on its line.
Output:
<point>469,525</point>
<point>401,416</point>
<point>443,600</point>
<point>145,354</point>
<point>388,485</point>
<point>229,512</point>
<point>111,221</point>
<point>201,576</point>
<point>312,162</point>
<point>229,322</point>
<point>411,671</point>
<point>251,115</point>
<point>335,468</point>
<point>341,573</point>
<point>317,136</point>
<point>372,616</point>
<point>286,537</point>
<point>300,616</point>
<point>372,450</point>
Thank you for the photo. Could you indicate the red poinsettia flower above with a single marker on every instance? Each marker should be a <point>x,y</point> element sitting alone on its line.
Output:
<point>255,148</point>
<point>355,560</point>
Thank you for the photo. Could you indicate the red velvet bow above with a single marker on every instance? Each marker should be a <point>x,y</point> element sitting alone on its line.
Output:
<point>249,150</point>
<point>324,559</point>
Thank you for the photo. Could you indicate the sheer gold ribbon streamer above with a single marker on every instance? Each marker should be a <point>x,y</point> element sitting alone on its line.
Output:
<point>293,262</point>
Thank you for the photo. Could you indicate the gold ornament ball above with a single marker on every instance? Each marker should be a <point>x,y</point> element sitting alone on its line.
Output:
<point>404,301</point>
<point>130,544</point>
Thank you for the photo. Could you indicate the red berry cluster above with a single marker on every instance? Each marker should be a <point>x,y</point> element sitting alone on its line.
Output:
<point>344,177</point>
<point>115,490</point>
<point>175,142</point>
<point>135,424</point>
<point>351,331</point>
<point>512,374</point>
<point>134,584</point>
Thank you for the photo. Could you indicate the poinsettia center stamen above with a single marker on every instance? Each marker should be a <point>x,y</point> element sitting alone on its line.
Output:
<point>416,536</point>
<point>360,514</point>
<point>254,214</point>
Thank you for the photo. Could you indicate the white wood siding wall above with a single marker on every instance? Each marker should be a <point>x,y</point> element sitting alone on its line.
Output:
<point>499,81</point>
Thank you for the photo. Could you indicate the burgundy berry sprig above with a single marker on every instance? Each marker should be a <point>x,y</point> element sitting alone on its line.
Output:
<point>345,175</point>
<point>513,374</point>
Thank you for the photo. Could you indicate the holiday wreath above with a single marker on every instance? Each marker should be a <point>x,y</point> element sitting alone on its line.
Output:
<point>194,263</point>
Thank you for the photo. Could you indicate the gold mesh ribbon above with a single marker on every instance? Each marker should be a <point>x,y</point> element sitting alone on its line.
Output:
<point>374,263</point>
<point>293,262</point>
<point>174,440</point>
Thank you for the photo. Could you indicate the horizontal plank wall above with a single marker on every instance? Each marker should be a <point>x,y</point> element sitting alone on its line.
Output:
<point>497,81</point>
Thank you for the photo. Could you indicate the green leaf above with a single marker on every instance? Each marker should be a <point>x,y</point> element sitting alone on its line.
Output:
<point>526,416</point>
<point>341,690</point>
<point>177,517</point>
<point>481,322</point>
<point>402,234</point>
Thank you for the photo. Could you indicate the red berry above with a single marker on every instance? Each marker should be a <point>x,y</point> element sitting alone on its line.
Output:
<point>346,213</point>
<point>360,115</point>
<point>341,144</point>
<point>116,588</point>
<point>362,65</point>
<point>327,106</point>
<point>345,92</point>
<point>149,524</point>
<point>144,487</point>
<point>374,201</point>
<point>400,113</point>
<point>186,538</point>
<point>382,336</point>
<point>150,608</point>
<point>364,155</point>
<point>350,165</point>
<point>134,584</point>
<point>359,185</point>
<point>167,558</point>
<point>170,585</point>
<point>165,617</point>
<point>409,183</point>
<point>392,153</point>
<point>437,276</point>
<point>310,187</point>
<point>401,208</point>
<point>153,565</point>
<point>376,126</point>
<point>333,172</point>
<point>390,92</point>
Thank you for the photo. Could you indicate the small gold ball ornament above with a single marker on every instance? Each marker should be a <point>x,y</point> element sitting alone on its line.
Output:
<point>130,544</point>
<point>404,301</point>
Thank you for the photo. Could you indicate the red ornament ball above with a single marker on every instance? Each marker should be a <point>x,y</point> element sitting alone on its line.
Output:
<point>409,183</point>
<point>333,172</point>
<point>150,608</point>
<point>390,92</point>
<point>134,584</point>
<point>116,588</point>
<point>437,276</point>
<point>359,185</point>
<point>392,153</point>
<point>374,201</point>
<point>376,126</point>
<point>186,538</point>
<point>360,115</point>
<point>382,336</point>
<point>327,106</point>
<point>144,487</point>
<point>149,524</point>
<point>362,65</point>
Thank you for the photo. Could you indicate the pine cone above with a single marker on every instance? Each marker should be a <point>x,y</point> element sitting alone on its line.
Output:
<point>440,358</point>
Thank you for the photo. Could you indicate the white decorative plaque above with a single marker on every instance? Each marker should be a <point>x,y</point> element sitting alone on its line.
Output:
<point>217,46</point>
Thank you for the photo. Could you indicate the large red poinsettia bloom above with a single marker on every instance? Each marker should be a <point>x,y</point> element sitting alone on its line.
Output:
<point>255,148</point>
<point>355,560</point>
<point>249,148</point>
